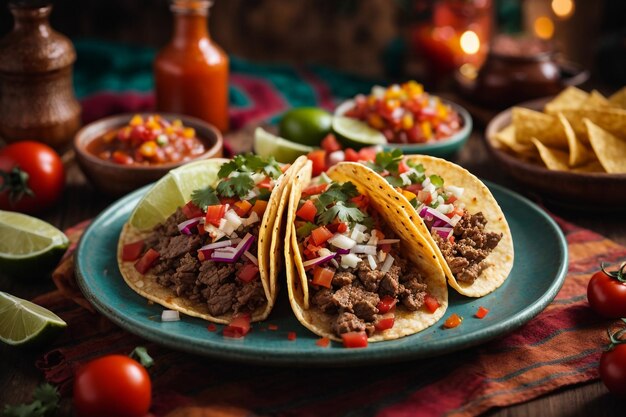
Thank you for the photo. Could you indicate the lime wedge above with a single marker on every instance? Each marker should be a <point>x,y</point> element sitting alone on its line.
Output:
<point>26,323</point>
<point>173,191</point>
<point>29,246</point>
<point>355,133</point>
<point>266,144</point>
<point>305,125</point>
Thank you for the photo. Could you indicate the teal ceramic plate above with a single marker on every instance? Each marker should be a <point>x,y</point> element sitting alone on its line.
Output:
<point>443,148</point>
<point>538,273</point>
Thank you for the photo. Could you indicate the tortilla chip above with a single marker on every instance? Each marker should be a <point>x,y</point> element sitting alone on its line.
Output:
<point>611,150</point>
<point>578,153</point>
<point>508,139</point>
<point>618,99</point>
<point>593,166</point>
<point>610,119</point>
<point>544,127</point>
<point>596,101</point>
<point>570,98</point>
<point>554,159</point>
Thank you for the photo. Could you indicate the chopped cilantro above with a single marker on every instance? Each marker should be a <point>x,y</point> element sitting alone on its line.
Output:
<point>394,181</point>
<point>45,402</point>
<point>344,212</point>
<point>336,192</point>
<point>204,197</point>
<point>264,194</point>
<point>434,204</point>
<point>416,178</point>
<point>415,203</point>
<point>387,161</point>
<point>305,229</point>
<point>251,163</point>
<point>436,180</point>
<point>416,166</point>
<point>239,186</point>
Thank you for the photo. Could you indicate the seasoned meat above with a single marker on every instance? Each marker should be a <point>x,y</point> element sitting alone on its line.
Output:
<point>390,284</point>
<point>369,278</point>
<point>348,322</point>
<point>343,278</point>
<point>249,297</point>
<point>213,274</point>
<point>323,299</point>
<point>415,291</point>
<point>346,298</point>
<point>220,300</point>
<point>180,245</point>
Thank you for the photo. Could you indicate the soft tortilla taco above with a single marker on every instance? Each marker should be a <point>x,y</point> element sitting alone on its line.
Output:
<point>215,257</point>
<point>357,268</point>
<point>456,213</point>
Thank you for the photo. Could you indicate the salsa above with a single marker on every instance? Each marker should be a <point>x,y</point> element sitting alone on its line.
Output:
<point>150,141</point>
<point>406,114</point>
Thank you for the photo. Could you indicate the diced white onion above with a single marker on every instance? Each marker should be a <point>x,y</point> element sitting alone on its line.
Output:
<point>426,182</point>
<point>341,241</point>
<point>456,191</point>
<point>257,177</point>
<point>350,260</point>
<point>251,194</point>
<point>455,219</point>
<point>387,264</point>
<point>445,208</point>
<point>170,315</point>
<point>233,218</point>
<point>382,255</point>
<point>366,249</point>
<point>405,179</point>
<point>378,91</point>
<point>226,227</point>
<point>324,252</point>
<point>251,219</point>
<point>360,227</point>
<point>388,241</point>
<point>372,262</point>
<point>373,240</point>
<point>440,199</point>
<point>336,157</point>
<point>251,257</point>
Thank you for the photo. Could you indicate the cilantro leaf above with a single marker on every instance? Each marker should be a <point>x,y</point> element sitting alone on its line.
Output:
<point>239,186</point>
<point>45,401</point>
<point>204,197</point>
<point>348,213</point>
<point>416,178</point>
<point>436,180</point>
<point>250,163</point>
<point>336,192</point>
<point>388,161</point>
<point>305,229</point>
<point>394,181</point>
<point>415,203</point>
<point>272,168</point>
<point>416,166</point>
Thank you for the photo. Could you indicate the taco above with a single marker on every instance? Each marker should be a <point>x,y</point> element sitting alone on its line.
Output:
<point>357,268</point>
<point>456,213</point>
<point>215,257</point>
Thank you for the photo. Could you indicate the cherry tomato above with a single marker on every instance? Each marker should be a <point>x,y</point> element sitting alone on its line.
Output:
<point>606,293</point>
<point>31,177</point>
<point>113,385</point>
<point>613,364</point>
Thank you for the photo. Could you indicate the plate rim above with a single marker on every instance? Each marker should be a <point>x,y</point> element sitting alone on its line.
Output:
<point>339,357</point>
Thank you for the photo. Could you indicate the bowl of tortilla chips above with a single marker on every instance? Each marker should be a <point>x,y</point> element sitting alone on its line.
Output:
<point>571,149</point>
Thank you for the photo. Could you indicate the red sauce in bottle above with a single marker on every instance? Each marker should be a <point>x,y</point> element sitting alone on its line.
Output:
<point>191,72</point>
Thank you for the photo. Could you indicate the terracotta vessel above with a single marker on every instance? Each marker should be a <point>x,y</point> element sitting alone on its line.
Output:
<point>36,95</point>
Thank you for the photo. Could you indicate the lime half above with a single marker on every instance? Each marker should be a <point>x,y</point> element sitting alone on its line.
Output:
<point>357,134</point>
<point>305,125</point>
<point>26,323</point>
<point>174,190</point>
<point>266,144</point>
<point>29,246</point>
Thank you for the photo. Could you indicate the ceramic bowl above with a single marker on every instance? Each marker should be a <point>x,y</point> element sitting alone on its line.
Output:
<point>443,148</point>
<point>586,191</point>
<point>115,179</point>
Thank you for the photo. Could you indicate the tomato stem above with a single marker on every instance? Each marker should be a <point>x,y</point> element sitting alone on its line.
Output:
<point>616,337</point>
<point>140,354</point>
<point>619,275</point>
<point>16,182</point>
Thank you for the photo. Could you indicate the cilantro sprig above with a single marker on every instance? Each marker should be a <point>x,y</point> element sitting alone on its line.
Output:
<point>239,186</point>
<point>45,403</point>
<point>204,197</point>
<point>250,163</point>
<point>335,203</point>
<point>387,161</point>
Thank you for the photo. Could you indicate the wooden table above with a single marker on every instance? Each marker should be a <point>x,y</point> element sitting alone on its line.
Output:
<point>18,376</point>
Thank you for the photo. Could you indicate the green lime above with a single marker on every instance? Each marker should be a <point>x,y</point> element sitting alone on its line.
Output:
<point>305,125</point>
<point>25,323</point>
<point>266,144</point>
<point>356,134</point>
<point>172,191</point>
<point>29,246</point>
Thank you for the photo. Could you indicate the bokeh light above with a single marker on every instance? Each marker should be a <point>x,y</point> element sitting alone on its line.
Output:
<point>563,8</point>
<point>470,44</point>
<point>544,28</point>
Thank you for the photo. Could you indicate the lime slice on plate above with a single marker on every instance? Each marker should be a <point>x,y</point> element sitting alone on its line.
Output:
<point>266,144</point>
<point>173,191</point>
<point>355,133</point>
<point>26,323</point>
<point>305,125</point>
<point>29,246</point>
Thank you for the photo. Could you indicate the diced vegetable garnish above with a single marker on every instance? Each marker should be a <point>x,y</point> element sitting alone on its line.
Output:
<point>387,264</point>
<point>354,339</point>
<point>482,312</point>
<point>170,315</point>
<point>350,260</point>
<point>386,304</point>
<point>238,327</point>
<point>266,183</point>
<point>189,226</point>
<point>242,207</point>
<point>318,158</point>
<point>385,322</point>
<point>323,342</point>
<point>215,213</point>
<point>431,303</point>
<point>291,336</point>
<point>230,254</point>
<point>132,251</point>
<point>248,272</point>
<point>321,235</point>
<point>307,211</point>
<point>341,241</point>
<point>322,276</point>
<point>330,143</point>
<point>190,210</point>
<point>314,190</point>
<point>320,260</point>
<point>453,321</point>
<point>259,207</point>
<point>146,261</point>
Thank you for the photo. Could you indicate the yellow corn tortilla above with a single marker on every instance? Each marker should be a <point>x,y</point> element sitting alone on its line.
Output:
<point>268,245</point>
<point>618,99</point>
<point>554,159</point>
<point>544,127</point>
<point>507,137</point>
<point>415,248</point>
<point>610,119</point>
<point>476,197</point>
<point>611,150</point>
<point>570,98</point>
<point>595,101</point>
<point>578,153</point>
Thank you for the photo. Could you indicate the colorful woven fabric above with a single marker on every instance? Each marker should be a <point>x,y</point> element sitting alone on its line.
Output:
<point>559,347</point>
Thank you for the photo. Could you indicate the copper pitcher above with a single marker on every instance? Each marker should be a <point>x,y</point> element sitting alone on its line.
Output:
<point>37,98</point>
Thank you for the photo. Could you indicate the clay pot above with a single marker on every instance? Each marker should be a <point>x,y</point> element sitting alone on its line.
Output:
<point>37,99</point>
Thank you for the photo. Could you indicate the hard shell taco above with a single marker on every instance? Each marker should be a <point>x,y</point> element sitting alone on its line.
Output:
<point>456,213</point>
<point>357,268</point>
<point>216,256</point>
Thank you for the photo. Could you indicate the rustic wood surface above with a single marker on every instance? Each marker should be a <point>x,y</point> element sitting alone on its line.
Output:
<point>18,376</point>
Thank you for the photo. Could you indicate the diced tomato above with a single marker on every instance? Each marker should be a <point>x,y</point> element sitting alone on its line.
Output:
<point>368,154</point>
<point>238,327</point>
<point>323,276</point>
<point>259,207</point>
<point>482,312</point>
<point>414,188</point>
<point>385,247</point>
<point>361,201</point>
<point>211,327</point>
<point>453,321</point>
<point>451,199</point>
<point>354,339</point>
<point>451,239</point>
<point>339,227</point>
<point>122,158</point>
<point>291,336</point>
<point>403,167</point>
<point>285,167</point>
<point>314,190</point>
<point>242,207</point>
<point>201,230</point>
<point>307,211</point>
<point>351,155</point>
<point>321,235</point>
<point>330,143</point>
<point>191,211</point>
<point>248,272</point>
<point>431,303</point>
<point>386,304</point>
<point>385,322</point>
<point>318,157</point>
<point>266,183</point>
<point>146,261</point>
<point>323,342</point>
<point>132,251</point>
<point>272,327</point>
<point>214,214</point>
<point>425,197</point>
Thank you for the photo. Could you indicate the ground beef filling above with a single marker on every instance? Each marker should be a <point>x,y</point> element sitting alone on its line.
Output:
<point>356,292</point>
<point>466,255</point>
<point>213,283</point>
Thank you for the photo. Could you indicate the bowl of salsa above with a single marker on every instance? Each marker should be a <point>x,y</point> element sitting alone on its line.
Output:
<point>121,153</point>
<point>411,119</point>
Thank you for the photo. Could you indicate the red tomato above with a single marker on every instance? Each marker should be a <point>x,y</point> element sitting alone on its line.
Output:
<point>249,272</point>
<point>403,167</point>
<point>259,207</point>
<point>307,211</point>
<point>238,327</point>
<point>323,342</point>
<point>132,251</point>
<point>481,312</point>
<point>214,214</point>
<point>314,190</point>
<point>321,235</point>
<point>607,293</point>
<point>30,167</point>
<point>266,183</point>
<point>354,339</point>
<point>368,154</point>
<point>453,321</point>
<point>613,369</point>
<point>431,303</point>
<point>323,276</point>
<point>351,155</point>
<point>242,208</point>
<point>385,322</point>
<point>386,304</point>
<point>146,261</point>
<point>318,158</point>
<point>113,385</point>
<point>330,144</point>
<point>191,211</point>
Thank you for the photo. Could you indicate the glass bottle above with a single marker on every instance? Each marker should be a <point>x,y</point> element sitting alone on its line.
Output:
<point>191,71</point>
